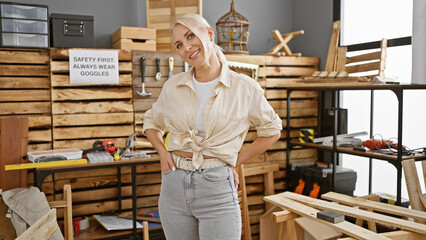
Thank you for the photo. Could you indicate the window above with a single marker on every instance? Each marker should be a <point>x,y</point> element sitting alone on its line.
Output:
<point>364,22</point>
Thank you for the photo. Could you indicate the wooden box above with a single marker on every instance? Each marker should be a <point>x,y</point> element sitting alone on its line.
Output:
<point>134,38</point>
<point>274,74</point>
<point>161,14</point>
<point>85,113</point>
<point>25,92</point>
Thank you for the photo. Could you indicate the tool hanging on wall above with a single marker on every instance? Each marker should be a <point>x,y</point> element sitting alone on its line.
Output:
<point>158,74</point>
<point>143,93</point>
<point>170,67</point>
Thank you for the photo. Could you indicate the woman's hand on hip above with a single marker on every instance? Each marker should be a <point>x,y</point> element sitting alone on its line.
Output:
<point>167,162</point>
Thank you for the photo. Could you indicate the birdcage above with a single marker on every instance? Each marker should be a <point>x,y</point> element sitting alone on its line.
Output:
<point>233,32</point>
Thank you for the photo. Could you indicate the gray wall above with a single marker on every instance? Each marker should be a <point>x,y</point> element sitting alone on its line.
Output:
<point>313,16</point>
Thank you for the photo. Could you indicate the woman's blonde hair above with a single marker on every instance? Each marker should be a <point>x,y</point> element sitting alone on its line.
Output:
<point>199,25</point>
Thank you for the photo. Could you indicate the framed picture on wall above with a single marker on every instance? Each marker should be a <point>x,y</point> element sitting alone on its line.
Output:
<point>245,68</point>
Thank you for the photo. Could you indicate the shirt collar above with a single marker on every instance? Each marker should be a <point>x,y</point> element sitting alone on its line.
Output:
<point>224,77</point>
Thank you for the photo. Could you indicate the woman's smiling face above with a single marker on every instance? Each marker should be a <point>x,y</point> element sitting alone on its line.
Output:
<point>188,45</point>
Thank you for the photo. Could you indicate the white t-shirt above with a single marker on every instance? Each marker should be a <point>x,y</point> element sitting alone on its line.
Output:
<point>205,90</point>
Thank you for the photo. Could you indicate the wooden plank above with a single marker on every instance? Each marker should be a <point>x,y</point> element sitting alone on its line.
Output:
<point>7,108</point>
<point>413,185</point>
<point>251,171</point>
<point>90,132</point>
<point>294,104</point>
<point>397,235</point>
<point>364,57</point>
<point>91,107</point>
<point>25,95</point>
<point>14,139</point>
<point>91,94</point>
<point>26,57</point>
<point>317,230</point>
<point>282,93</point>
<point>363,67</point>
<point>303,112</point>
<point>92,119</point>
<point>332,47</point>
<point>44,135</point>
<point>357,213</point>
<point>377,206</point>
<point>64,67</point>
<point>24,70</point>
<point>24,82</point>
<point>39,121</point>
<point>59,80</point>
<point>42,229</point>
<point>290,71</point>
<point>63,53</point>
<point>280,82</point>
<point>303,210</point>
<point>341,59</point>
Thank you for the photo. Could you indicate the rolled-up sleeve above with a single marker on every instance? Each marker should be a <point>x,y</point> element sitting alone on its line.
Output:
<point>153,118</point>
<point>263,116</point>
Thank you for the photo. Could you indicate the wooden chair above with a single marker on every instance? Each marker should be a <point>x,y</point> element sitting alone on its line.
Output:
<point>417,198</point>
<point>66,203</point>
<point>242,199</point>
<point>243,172</point>
<point>366,64</point>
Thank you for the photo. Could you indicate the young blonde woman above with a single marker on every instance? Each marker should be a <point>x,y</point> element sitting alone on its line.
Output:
<point>208,111</point>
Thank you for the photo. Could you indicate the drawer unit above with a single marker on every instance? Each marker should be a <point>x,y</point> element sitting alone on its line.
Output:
<point>13,10</point>
<point>24,25</point>
<point>24,40</point>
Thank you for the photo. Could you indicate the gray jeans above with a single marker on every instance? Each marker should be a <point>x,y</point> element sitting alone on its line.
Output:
<point>200,205</point>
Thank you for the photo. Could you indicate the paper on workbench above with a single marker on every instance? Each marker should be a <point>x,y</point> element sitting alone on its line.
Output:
<point>116,223</point>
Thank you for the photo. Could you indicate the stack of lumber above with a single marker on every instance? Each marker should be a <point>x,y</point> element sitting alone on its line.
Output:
<point>25,92</point>
<point>85,113</point>
<point>275,73</point>
<point>161,14</point>
<point>393,217</point>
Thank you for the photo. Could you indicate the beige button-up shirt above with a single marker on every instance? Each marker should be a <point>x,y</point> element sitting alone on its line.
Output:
<point>238,103</point>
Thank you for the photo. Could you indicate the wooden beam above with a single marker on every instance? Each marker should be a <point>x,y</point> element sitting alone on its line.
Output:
<point>397,235</point>
<point>332,47</point>
<point>42,229</point>
<point>306,211</point>
<point>413,184</point>
<point>377,206</point>
<point>357,213</point>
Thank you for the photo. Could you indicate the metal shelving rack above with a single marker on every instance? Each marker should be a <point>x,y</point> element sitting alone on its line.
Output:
<point>396,161</point>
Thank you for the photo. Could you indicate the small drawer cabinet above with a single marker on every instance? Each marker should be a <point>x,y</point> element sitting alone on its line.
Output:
<point>24,25</point>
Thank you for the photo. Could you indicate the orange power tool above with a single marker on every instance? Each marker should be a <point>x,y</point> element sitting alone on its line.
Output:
<point>374,144</point>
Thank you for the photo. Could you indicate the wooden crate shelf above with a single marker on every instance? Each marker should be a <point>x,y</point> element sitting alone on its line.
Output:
<point>25,92</point>
<point>85,113</point>
<point>161,14</point>
<point>275,73</point>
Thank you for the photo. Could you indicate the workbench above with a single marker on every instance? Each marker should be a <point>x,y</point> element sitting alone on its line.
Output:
<point>40,175</point>
<point>335,88</point>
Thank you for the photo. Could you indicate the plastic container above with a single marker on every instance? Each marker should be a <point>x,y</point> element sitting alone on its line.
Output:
<point>24,26</point>
<point>23,11</point>
<point>24,40</point>
<point>69,153</point>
